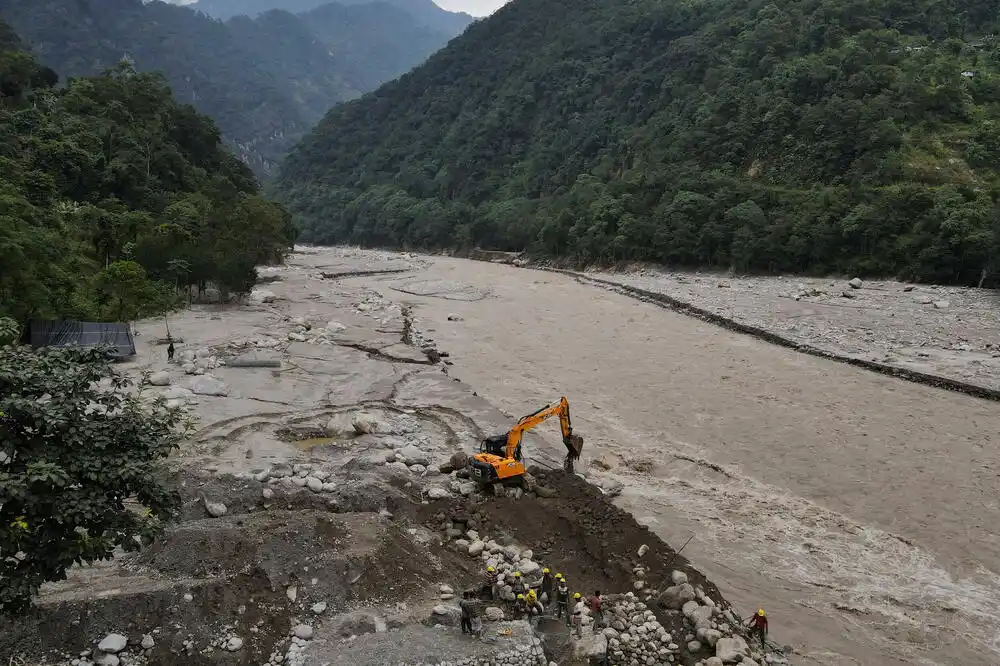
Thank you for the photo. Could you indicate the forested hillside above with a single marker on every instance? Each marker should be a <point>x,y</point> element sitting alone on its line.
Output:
<point>779,135</point>
<point>114,197</point>
<point>265,80</point>
<point>424,12</point>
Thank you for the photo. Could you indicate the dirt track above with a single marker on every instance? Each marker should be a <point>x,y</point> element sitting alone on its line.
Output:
<point>859,508</point>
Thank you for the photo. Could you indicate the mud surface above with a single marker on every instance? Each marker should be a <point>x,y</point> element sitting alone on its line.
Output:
<point>859,509</point>
<point>855,507</point>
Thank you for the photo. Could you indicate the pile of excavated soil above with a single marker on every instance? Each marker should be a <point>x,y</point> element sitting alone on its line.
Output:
<point>578,532</point>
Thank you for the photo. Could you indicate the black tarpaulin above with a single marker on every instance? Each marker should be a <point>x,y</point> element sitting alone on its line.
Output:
<point>62,333</point>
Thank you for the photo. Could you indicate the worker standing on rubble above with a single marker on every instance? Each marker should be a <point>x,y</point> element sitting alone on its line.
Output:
<point>520,607</point>
<point>518,586</point>
<point>489,583</point>
<point>579,610</point>
<point>595,608</point>
<point>531,601</point>
<point>468,610</point>
<point>544,585</point>
<point>758,626</point>
<point>562,599</point>
<point>170,350</point>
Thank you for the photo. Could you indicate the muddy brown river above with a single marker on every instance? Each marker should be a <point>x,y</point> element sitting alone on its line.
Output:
<point>862,511</point>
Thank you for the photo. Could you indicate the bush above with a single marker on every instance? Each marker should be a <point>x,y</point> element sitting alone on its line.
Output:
<point>79,473</point>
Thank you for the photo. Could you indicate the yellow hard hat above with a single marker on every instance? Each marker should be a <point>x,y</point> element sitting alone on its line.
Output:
<point>545,570</point>
<point>559,575</point>
<point>576,596</point>
<point>517,574</point>
<point>490,569</point>
<point>760,611</point>
<point>520,596</point>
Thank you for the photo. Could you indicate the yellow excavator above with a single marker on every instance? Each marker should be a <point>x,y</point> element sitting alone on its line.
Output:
<point>499,459</point>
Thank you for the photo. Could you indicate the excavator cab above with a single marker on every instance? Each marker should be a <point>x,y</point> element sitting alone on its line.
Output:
<point>500,458</point>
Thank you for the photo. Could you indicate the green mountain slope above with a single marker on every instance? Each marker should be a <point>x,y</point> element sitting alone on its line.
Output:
<point>789,135</point>
<point>424,12</point>
<point>113,196</point>
<point>266,80</point>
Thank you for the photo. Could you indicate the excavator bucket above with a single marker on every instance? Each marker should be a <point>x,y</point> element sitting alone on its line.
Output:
<point>574,446</point>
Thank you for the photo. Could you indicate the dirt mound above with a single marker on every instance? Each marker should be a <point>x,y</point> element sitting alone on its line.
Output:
<point>578,533</point>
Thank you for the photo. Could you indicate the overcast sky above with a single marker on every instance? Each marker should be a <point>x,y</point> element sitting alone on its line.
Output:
<point>474,7</point>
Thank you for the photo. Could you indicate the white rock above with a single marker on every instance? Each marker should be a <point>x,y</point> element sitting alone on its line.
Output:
<point>731,650</point>
<point>160,378</point>
<point>108,660</point>
<point>467,488</point>
<point>234,644</point>
<point>335,327</point>
<point>215,509</point>
<point>314,484</point>
<point>329,487</point>
<point>147,642</point>
<point>292,592</point>
<point>365,423</point>
<point>418,469</point>
<point>529,567</point>
<point>208,385</point>
<point>319,608</point>
<point>446,589</point>
<point>494,614</point>
<point>259,296</point>
<point>643,549</point>
<point>113,643</point>
<point>679,577</point>
<point>188,597</point>
<point>855,283</point>
<point>296,337</point>
<point>942,305</point>
<point>476,547</point>
<point>437,492</point>
<point>414,456</point>
<point>303,631</point>
<point>267,493</point>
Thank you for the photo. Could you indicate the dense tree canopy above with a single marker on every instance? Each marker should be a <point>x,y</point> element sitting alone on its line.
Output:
<point>759,135</point>
<point>113,196</point>
<point>265,80</point>
<point>78,466</point>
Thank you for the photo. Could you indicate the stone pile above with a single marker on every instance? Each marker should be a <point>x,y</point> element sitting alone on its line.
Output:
<point>302,475</point>
<point>198,362</point>
<point>300,636</point>
<point>636,637</point>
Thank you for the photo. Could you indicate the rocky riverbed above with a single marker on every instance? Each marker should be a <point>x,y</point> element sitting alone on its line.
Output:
<point>327,515</point>
<point>952,332</point>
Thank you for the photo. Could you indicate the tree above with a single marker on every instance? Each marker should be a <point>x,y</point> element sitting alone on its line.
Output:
<point>126,284</point>
<point>79,472</point>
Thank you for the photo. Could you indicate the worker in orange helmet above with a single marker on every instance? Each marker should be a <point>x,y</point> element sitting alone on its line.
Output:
<point>758,626</point>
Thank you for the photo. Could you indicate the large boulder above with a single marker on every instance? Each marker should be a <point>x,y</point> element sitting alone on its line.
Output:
<point>113,643</point>
<point>340,425</point>
<point>259,296</point>
<point>365,423</point>
<point>676,596</point>
<point>437,492</point>
<point>161,378</point>
<point>494,614</point>
<point>208,385</point>
<point>459,460</point>
<point>731,650</point>
<point>414,456</point>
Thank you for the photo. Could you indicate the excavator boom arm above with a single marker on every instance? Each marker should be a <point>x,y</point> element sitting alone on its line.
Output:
<point>528,422</point>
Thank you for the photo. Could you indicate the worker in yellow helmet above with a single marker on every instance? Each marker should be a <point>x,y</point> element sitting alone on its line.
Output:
<point>562,599</point>
<point>758,626</point>
<point>518,587</point>
<point>489,583</point>
<point>579,610</point>
<point>544,586</point>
